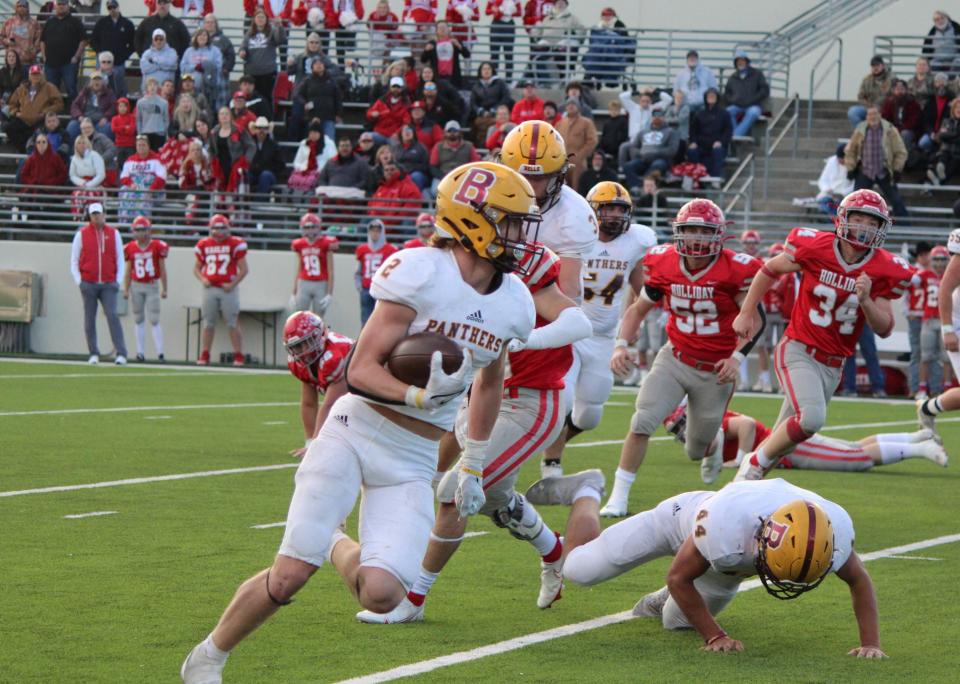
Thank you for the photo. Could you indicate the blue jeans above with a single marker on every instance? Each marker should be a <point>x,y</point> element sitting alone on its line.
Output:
<point>66,75</point>
<point>264,180</point>
<point>118,80</point>
<point>420,178</point>
<point>367,303</point>
<point>713,158</point>
<point>102,126</point>
<point>750,116</point>
<point>868,349</point>
<point>828,206</point>
<point>856,114</point>
<point>636,169</point>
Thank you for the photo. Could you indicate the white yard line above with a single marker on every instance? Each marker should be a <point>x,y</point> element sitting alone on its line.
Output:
<point>128,409</point>
<point>118,374</point>
<point>166,367</point>
<point>95,514</point>
<point>620,389</point>
<point>923,558</point>
<point>275,422</point>
<point>432,664</point>
<point>157,417</point>
<point>267,526</point>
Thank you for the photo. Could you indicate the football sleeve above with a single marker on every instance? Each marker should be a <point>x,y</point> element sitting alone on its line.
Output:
<point>163,249</point>
<point>405,278</point>
<point>544,273</point>
<point>240,251</point>
<point>798,244</point>
<point>953,242</point>
<point>579,232</point>
<point>896,281</point>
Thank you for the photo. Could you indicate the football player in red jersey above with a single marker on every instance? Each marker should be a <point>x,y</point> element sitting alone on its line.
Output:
<point>932,353</point>
<point>370,255</point>
<point>313,284</point>
<point>424,232</point>
<point>848,280</point>
<point>221,265</point>
<point>317,357</point>
<point>146,279</point>
<point>703,286</point>
<point>915,303</point>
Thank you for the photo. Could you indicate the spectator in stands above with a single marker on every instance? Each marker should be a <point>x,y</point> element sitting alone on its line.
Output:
<point>710,132</point>
<point>551,113</point>
<point>921,85</point>
<point>528,108</point>
<point>124,128</point>
<point>694,80</point>
<point>44,166</point>
<point>55,136</point>
<point>390,112</point>
<point>397,198</point>
<point>557,40</point>
<point>398,69</point>
<point>242,115</point>
<point>462,16</point>
<point>96,263</point>
<point>615,131</point>
<point>443,53</point>
<point>267,164</point>
<point>105,147</point>
<point>159,61</point>
<point>195,175</point>
<point>87,173</point>
<point>876,155</point>
<point>366,148</point>
<point>903,112</point>
<point>340,19</point>
<point>833,184</point>
<point>312,155</point>
<point>651,208</point>
<point>204,62</point>
<point>12,75</point>
<point>610,50</point>
<point>580,136</point>
<point>228,54</point>
<point>677,115</point>
<point>62,43</point>
<point>744,93</point>
<point>259,53</point>
<point>28,104</point>
<point>412,157</point>
<point>142,180</point>
<point>436,107</point>
<point>370,256</point>
<point>301,66</point>
<point>489,92</point>
<point>172,154</point>
<point>188,86</point>
<point>947,160</point>
<point>344,171</point>
<point>153,115</point>
<point>113,34</point>
<point>502,32</point>
<point>113,78</point>
<point>936,109</point>
<point>231,149</point>
<point>942,44</point>
<point>382,155</point>
<point>656,148</point>
<point>177,35</point>
<point>317,97</point>
<point>384,31</point>
<point>498,130</point>
<point>185,116</point>
<point>21,33</point>
<point>584,96</point>
<point>873,90</point>
<point>597,172</point>
<point>255,101</point>
<point>96,102</point>
<point>449,153</point>
<point>639,115</point>
<point>428,131</point>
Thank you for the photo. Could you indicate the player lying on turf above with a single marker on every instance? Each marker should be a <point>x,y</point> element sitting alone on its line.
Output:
<point>791,537</point>
<point>382,442</point>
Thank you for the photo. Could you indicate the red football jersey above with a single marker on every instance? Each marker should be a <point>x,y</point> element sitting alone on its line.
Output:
<point>918,294</point>
<point>413,242</point>
<point>370,261</point>
<point>313,256</point>
<point>329,368</point>
<point>702,305</point>
<point>827,315</point>
<point>540,368</point>
<point>731,445</point>
<point>218,259</point>
<point>930,285</point>
<point>145,261</point>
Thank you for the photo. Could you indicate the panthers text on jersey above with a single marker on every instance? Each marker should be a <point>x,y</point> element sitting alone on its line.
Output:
<point>428,280</point>
<point>329,368</point>
<point>145,261</point>
<point>827,315</point>
<point>702,305</point>
<point>569,227</point>
<point>218,258</point>
<point>606,275</point>
<point>725,529</point>
<point>313,256</point>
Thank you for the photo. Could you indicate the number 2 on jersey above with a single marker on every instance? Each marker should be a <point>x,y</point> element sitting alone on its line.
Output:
<point>608,292</point>
<point>845,314</point>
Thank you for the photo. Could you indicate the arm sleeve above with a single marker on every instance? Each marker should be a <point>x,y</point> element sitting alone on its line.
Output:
<point>651,293</point>
<point>75,258</point>
<point>571,325</point>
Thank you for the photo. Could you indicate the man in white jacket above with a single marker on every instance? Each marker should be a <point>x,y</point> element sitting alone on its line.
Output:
<point>833,184</point>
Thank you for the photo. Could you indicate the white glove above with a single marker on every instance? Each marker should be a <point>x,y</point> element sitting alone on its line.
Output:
<point>324,303</point>
<point>441,388</point>
<point>516,344</point>
<point>469,496</point>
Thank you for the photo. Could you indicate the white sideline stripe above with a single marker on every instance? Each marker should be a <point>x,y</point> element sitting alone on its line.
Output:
<point>514,644</point>
<point>267,526</point>
<point>77,516</point>
<point>620,389</point>
<point>157,417</point>
<point>923,558</point>
<point>275,422</point>
<point>128,409</point>
<point>191,368</point>
<point>121,374</point>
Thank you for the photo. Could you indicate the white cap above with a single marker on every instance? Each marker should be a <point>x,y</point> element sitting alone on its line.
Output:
<point>396,81</point>
<point>159,32</point>
<point>95,208</point>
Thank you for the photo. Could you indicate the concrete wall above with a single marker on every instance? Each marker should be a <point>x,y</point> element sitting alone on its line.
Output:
<point>59,329</point>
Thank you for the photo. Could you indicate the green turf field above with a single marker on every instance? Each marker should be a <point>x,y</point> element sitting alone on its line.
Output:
<point>123,597</point>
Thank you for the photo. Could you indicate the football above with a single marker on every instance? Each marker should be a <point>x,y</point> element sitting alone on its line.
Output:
<point>410,359</point>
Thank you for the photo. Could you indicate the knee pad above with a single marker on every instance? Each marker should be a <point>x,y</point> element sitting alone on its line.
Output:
<point>572,429</point>
<point>519,518</point>
<point>797,431</point>
<point>587,416</point>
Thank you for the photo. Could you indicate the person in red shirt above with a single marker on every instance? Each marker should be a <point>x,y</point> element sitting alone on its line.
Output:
<point>369,258</point>
<point>221,265</point>
<point>915,301</point>
<point>423,12</point>
<point>395,198</point>
<point>425,231</point>
<point>243,116</point>
<point>703,287</point>
<point>428,131</point>
<point>317,357</point>
<point>389,112</point>
<point>932,353</point>
<point>145,283</point>
<point>848,281</point>
<point>313,284</point>
<point>124,126</point>
<point>530,107</point>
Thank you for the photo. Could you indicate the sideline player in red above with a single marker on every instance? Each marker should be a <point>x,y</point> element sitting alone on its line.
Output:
<point>317,357</point>
<point>313,284</point>
<point>847,280</point>
<point>703,286</point>
<point>932,352</point>
<point>424,232</point>
<point>369,257</point>
<point>146,280</point>
<point>221,265</point>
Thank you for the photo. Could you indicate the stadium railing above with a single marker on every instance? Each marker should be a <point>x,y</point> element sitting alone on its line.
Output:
<point>901,54</point>
<point>836,63</point>
<point>783,122</point>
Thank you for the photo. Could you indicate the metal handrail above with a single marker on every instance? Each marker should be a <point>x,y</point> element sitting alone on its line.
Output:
<point>838,63</point>
<point>768,147</point>
<point>902,51</point>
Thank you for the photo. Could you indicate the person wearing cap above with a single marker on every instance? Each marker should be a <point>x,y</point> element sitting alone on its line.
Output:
<point>242,116</point>
<point>366,149</point>
<point>317,97</point>
<point>694,80</point>
<point>610,50</point>
<point>96,102</point>
<point>21,33</point>
<point>145,284</point>
<point>301,66</point>
<point>529,107</point>
<point>312,155</point>
<point>61,43</point>
<point>112,38</point>
<point>255,101</point>
<point>428,131</point>
<point>28,104</point>
<point>389,112</point>
<point>833,184</point>
<point>204,63</point>
<point>267,164</point>
<point>259,52</point>
<point>124,127</point>
<point>580,136</point>
<point>221,264</point>
<point>874,89</point>
<point>425,231</point>
<point>177,35</point>
<point>745,92</point>
<point>159,61</point>
<point>412,157</point>
<point>96,263</point>
<point>449,153</point>
<point>370,255</point>
<point>188,86</point>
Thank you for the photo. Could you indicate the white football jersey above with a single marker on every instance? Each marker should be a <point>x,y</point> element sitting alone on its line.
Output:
<point>569,227</point>
<point>606,276</point>
<point>428,281</point>
<point>953,246</point>
<point>725,527</point>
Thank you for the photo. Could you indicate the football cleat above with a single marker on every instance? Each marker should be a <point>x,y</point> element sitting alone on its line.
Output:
<point>404,612</point>
<point>560,491</point>
<point>141,358</point>
<point>925,434</point>
<point>551,583</point>
<point>550,470</point>
<point>93,360</point>
<point>932,451</point>
<point>652,604</point>
<point>238,360</point>
<point>199,668</point>
<point>749,469</point>
<point>120,361</point>
<point>926,422</point>
<point>204,359</point>
<point>614,509</point>
<point>710,466</point>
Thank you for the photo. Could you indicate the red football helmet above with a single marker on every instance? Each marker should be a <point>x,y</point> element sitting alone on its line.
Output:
<point>141,223</point>
<point>310,222</point>
<point>775,249</point>
<point>305,337</point>
<point>863,202</point>
<point>218,221</point>
<point>698,229</point>
<point>939,252</point>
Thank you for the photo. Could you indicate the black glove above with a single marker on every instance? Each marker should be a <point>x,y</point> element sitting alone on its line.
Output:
<point>851,175</point>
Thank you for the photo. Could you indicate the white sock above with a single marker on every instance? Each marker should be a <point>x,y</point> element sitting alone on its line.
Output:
<point>424,582</point>
<point>893,452</point>
<point>765,377</point>
<point>141,335</point>
<point>762,459</point>
<point>903,437</point>
<point>744,373</point>
<point>586,492</point>
<point>546,541</point>
<point>212,651</point>
<point>622,482</point>
<point>157,338</point>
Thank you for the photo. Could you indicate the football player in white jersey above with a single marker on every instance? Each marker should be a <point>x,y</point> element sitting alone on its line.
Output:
<point>611,267</point>
<point>791,537</point>
<point>381,442</point>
